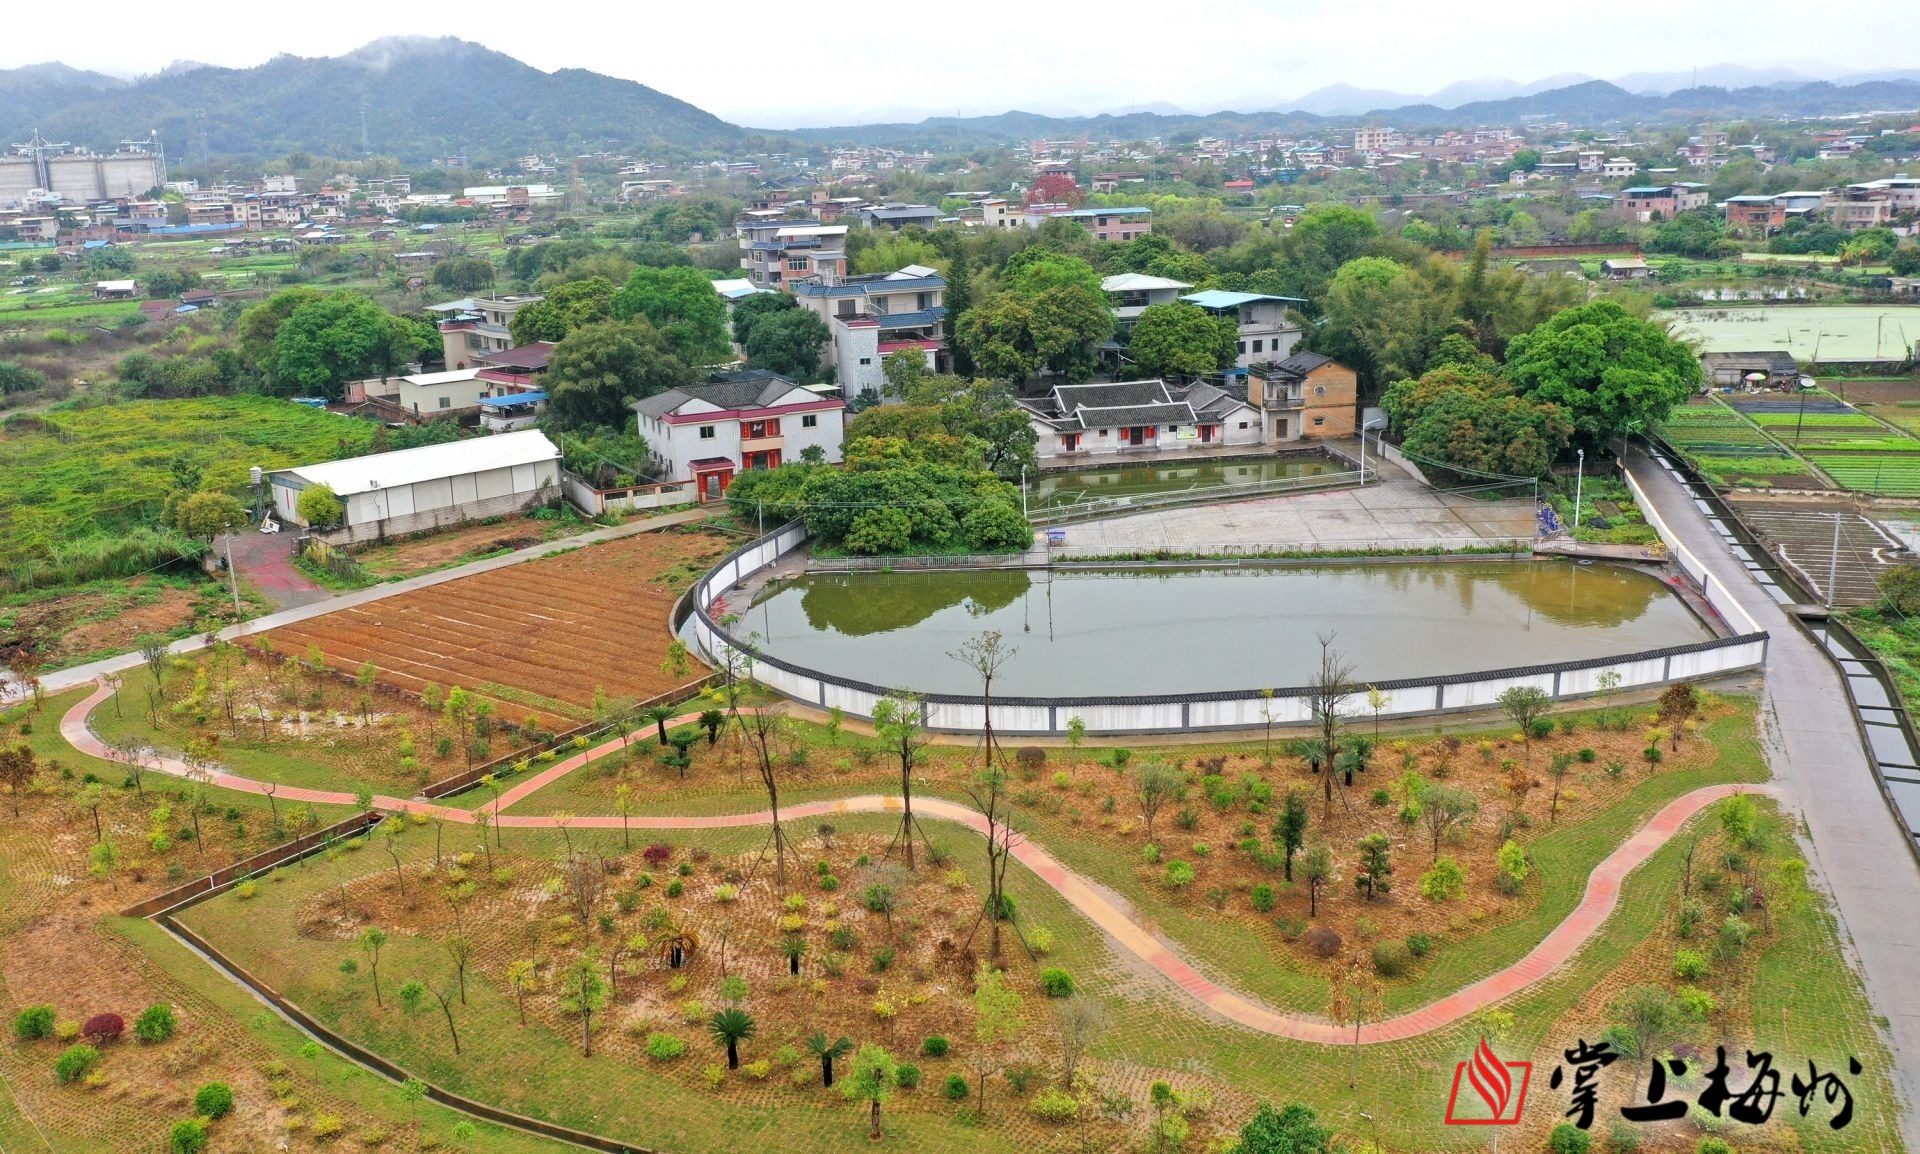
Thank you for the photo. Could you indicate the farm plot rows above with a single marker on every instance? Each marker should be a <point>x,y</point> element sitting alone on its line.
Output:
<point>1888,474</point>
<point>535,639</point>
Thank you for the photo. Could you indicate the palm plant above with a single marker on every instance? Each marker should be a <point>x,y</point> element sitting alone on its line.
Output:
<point>729,1028</point>
<point>827,1051</point>
<point>659,715</point>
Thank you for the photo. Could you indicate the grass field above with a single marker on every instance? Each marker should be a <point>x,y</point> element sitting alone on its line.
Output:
<point>72,472</point>
<point>1812,333</point>
<point>1153,1031</point>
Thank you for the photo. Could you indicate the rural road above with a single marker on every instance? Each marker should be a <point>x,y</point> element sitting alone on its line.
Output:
<point>1822,775</point>
<point>82,674</point>
<point>1561,943</point>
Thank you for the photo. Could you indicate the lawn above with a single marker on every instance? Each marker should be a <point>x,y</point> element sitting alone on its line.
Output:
<point>72,472</point>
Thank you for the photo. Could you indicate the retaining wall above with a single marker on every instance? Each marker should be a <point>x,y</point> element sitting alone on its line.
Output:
<point>1239,709</point>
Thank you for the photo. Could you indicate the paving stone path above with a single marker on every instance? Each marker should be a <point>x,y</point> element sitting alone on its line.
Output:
<point>1556,949</point>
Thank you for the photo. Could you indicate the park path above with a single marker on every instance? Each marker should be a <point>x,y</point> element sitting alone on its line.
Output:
<point>1555,950</point>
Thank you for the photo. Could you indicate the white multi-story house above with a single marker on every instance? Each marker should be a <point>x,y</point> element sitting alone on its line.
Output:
<point>742,421</point>
<point>1266,334</point>
<point>1131,293</point>
<point>876,316</point>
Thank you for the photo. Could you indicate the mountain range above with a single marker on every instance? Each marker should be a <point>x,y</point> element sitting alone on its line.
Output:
<point>414,98</point>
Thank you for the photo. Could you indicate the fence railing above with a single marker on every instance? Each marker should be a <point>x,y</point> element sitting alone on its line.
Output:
<point>1186,711</point>
<point>1324,547</point>
<point>228,876</point>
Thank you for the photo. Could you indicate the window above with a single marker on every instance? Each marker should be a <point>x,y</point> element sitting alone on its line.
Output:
<point>1243,348</point>
<point>796,264</point>
<point>1173,428</point>
<point>1259,346</point>
<point>1318,421</point>
<point>1103,432</point>
<point>866,360</point>
<point>1319,390</point>
<point>706,432</point>
<point>810,420</point>
<point>1243,424</point>
<point>446,402</point>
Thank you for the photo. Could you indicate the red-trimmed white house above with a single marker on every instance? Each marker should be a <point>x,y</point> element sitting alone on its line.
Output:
<point>742,421</point>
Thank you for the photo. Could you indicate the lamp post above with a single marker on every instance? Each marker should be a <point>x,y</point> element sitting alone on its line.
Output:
<point>233,575</point>
<point>1023,490</point>
<point>1579,484</point>
<point>1363,447</point>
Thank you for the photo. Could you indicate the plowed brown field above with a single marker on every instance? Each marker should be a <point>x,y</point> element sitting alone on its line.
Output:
<point>537,638</point>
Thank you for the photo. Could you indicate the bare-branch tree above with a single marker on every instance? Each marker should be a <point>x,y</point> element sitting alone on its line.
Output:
<point>899,722</point>
<point>763,728</point>
<point>1327,695</point>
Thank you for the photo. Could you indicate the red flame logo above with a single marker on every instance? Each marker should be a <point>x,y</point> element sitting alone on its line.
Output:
<point>1500,1085</point>
<point>1488,1076</point>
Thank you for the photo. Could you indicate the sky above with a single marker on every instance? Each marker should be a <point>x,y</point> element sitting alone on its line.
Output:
<point>781,65</point>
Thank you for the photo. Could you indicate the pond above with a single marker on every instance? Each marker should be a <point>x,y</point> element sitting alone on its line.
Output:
<point>1139,631</point>
<point>1060,487</point>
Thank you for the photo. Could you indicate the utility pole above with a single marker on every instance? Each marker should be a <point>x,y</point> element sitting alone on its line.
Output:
<point>1023,490</point>
<point>1833,561</point>
<point>233,575</point>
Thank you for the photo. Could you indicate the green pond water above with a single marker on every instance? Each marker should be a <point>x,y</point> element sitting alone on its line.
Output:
<point>1146,631</point>
<point>1073,486</point>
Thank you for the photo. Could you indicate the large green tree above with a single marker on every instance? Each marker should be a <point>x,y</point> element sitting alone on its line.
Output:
<point>682,304</point>
<point>752,310</point>
<point>565,308</point>
<point>1611,371</point>
<point>1181,338</point>
<point>325,342</point>
<point>1489,432</point>
<point>997,336</point>
<point>597,371</point>
<point>788,343</point>
<point>1293,1129</point>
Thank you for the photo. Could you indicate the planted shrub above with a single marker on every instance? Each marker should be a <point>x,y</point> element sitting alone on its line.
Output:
<point>34,1023</point>
<point>1689,965</point>
<point>189,1136</point>
<point>1057,982</point>
<point>1179,874</point>
<point>213,1100</point>
<point>1055,1105</point>
<point>155,1024</point>
<point>935,1046</point>
<point>664,1047</point>
<point>104,1028</point>
<point>1569,1139</point>
<point>1391,959</point>
<point>74,1062</point>
<point>1262,898</point>
<point>1323,941</point>
<point>1419,945</point>
<point>955,1088</point>
<point>907,1075</point>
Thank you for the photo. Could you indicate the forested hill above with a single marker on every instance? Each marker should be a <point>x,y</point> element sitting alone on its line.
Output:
<point>422,98</point>
<point>1591,104</point>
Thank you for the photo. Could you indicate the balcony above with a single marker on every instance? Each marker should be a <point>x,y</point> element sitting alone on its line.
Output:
<point>762,444</point>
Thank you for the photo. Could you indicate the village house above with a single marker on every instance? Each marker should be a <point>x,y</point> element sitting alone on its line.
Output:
<point>735,423</point>
<point>475,326</point>
<point>1116,224</point>
<point>1305,396</point>
<point>1142,416</point>
<point>1130,294</point>
<point>776,251</point>
<point>411,490</point>
<point>1661,202</point>
<point>1265,331</point>
<point>1754,215</point>
<point>899,216</point>
<point>1766,369</point>
<point>1626,268</point>
<point>878,315</point>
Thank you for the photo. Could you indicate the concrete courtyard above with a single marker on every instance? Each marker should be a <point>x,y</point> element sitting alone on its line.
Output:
<point>1397,512</point>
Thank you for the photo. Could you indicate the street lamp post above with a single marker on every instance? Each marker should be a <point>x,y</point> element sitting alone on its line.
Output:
<point>1023,490</point>
<point>233,575</point>
<point>1363,447</point>
<point>1579,485</point>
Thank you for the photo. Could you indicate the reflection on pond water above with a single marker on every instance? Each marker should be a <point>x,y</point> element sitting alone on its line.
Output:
<point>1158,630</point>
<point>1073,486</point>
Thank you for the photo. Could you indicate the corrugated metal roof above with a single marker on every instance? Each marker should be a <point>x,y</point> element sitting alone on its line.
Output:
<point>428,463</point>
<point>1221,299</point>
<point>1137,282</point>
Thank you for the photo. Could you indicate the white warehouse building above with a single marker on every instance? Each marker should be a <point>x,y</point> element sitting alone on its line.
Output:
<point>411,490</point>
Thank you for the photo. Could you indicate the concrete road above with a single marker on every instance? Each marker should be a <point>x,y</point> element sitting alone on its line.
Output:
<point>1822,773</point>
<point>1396,511</point>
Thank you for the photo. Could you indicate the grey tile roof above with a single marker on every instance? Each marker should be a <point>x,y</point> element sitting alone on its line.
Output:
<point>751,390</point>
<point>1169,413</point>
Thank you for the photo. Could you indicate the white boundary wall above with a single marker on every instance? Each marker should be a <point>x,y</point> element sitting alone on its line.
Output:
<point>1220,711</point>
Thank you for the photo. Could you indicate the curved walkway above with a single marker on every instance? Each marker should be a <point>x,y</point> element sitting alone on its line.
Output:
<point>1556,949</point>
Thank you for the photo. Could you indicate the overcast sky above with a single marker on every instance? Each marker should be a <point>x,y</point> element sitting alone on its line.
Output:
<point>779,65</point>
